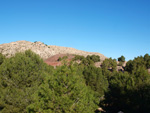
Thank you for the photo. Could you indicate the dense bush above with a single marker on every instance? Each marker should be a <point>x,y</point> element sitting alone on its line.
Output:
<point>133,65</point>
<point>20,77</point>
<point>62,58</point>
<point>109,67</point>
<point>95,79</point>
<point>89,60</point>
<point>129,91</point>
<point>121,59</point>
<point>78,57</point>
<point>27,84</point>
<point>64,92</point>
<point>2,58</point>
<point>94,58</point>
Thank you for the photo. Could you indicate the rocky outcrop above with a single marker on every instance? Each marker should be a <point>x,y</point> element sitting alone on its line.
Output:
<point>45,51</point>
<point>9,49</point>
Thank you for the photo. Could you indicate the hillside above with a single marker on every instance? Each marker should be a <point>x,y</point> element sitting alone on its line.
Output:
<point>45,51</point>
<point>53,61</point>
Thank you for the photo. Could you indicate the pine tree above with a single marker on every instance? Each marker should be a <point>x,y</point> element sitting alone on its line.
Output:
<point>64,92</point>
<point>95,79</point>
<point>20,77</point>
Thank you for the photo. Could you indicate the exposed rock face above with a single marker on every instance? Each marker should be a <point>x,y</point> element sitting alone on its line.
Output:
<point>9,49</point>
<point>45,51</point>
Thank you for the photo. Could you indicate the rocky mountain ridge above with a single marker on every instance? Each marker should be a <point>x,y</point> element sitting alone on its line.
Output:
<point>45,51</point>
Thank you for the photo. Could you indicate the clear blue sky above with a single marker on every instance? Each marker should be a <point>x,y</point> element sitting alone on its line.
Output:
<point>111,27</point>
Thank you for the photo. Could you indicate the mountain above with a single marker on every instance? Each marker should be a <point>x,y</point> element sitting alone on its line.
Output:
<point>45,51</point>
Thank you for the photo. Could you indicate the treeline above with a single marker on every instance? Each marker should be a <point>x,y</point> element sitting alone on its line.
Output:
<point>129,91</point>
<point>28,85</point>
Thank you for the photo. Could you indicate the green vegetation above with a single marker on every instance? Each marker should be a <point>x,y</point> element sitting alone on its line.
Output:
<point>121,59</point>
<point>95,79</point>
<point>120,64</point>
<point>28,85</point>
<point>2,58</point>
<point>64,92</point>
<point>20,77</point>
<point>109,66</point>
<point>133,65</point>
<point>89,60</point>
<point>78,57</point>
<point>62,58</point>
<point>129,91</point>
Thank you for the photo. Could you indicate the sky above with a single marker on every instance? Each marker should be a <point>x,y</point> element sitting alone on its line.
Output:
<point>110,27</point>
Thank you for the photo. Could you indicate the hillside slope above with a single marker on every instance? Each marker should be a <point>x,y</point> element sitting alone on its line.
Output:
<point>45,51</point>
